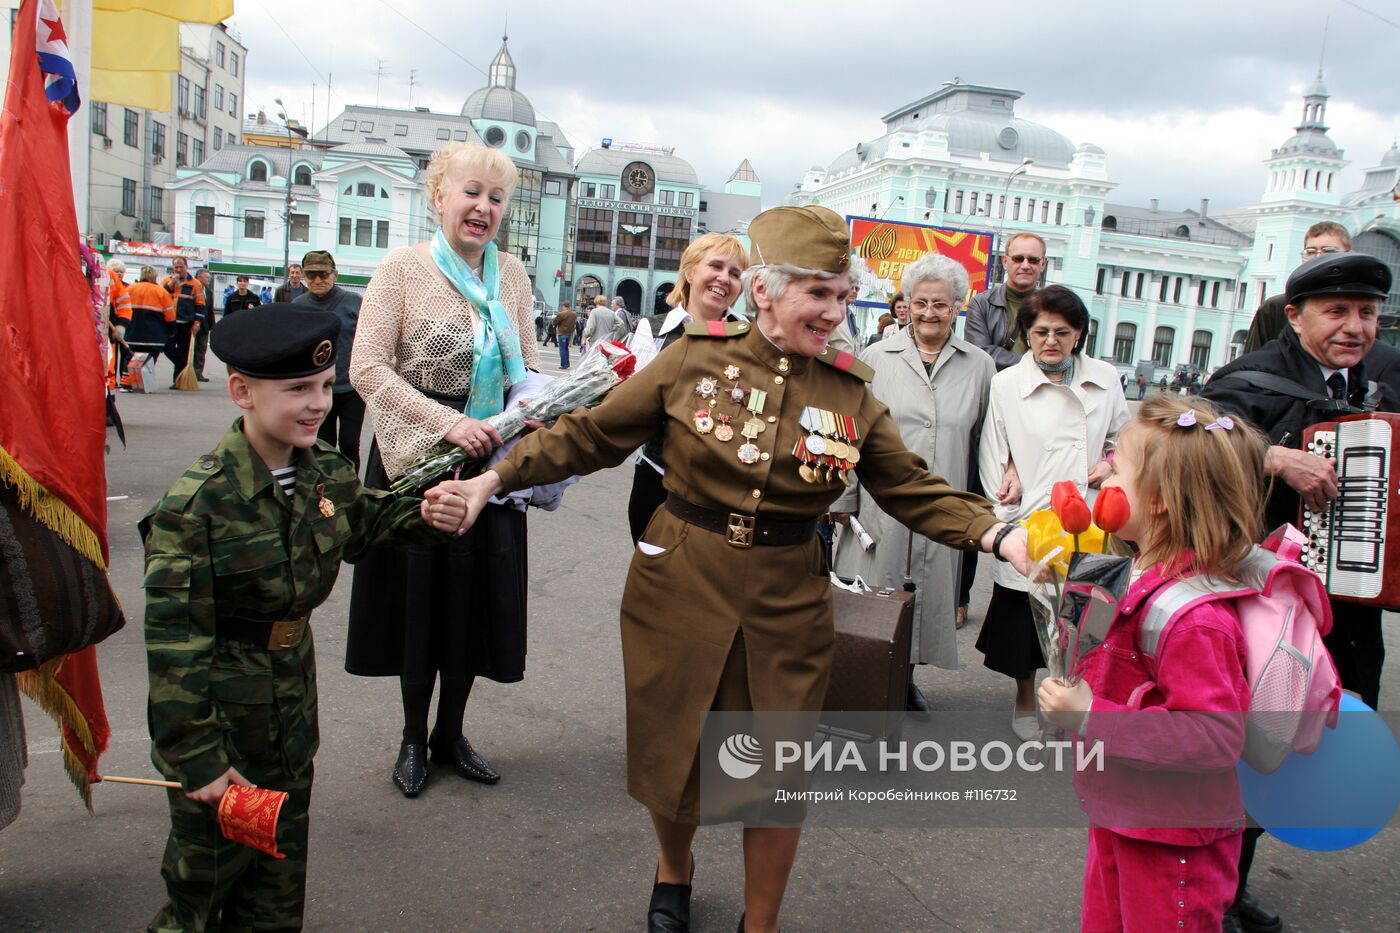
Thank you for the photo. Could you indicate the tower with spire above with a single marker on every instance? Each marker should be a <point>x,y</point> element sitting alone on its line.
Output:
<point>1303,186</point>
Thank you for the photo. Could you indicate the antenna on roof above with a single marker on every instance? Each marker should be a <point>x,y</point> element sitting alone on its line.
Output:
<point>379,72</point>
<point>412,83</point>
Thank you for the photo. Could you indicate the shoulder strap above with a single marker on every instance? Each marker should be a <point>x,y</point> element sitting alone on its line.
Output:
<point>1171,600</point>
<point>1274,383</point>
<point>847,363</point>
<point>716,328</point>
<point>1373,396</point>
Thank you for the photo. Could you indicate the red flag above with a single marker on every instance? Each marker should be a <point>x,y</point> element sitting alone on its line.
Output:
<point>52,422</point>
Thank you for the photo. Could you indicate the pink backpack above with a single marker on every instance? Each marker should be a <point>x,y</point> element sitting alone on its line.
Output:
<point>1284,611</point>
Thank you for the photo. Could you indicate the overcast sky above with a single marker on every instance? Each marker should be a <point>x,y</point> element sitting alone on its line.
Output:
<point>1187,97</point>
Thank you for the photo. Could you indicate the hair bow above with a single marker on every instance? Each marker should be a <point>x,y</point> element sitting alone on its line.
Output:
<point>1188,419</point>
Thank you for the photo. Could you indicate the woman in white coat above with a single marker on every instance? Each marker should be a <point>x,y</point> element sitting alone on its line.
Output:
<point>936,386</point>
<point>1054,416</point>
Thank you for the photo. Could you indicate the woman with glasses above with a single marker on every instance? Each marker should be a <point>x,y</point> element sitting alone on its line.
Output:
<point>1053,416</point>
<point>936,386</point>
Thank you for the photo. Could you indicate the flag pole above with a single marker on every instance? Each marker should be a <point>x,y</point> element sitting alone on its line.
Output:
<point>77,23</point>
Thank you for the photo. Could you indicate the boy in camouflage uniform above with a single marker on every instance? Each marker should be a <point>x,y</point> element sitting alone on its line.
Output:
<point>247,542</point>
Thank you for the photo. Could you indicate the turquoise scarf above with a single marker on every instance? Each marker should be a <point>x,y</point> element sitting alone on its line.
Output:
<point>496,359</point>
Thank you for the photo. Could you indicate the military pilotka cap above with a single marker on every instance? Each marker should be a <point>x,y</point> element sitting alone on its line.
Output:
<point>318,260</point>
<point>806,237</point>
<point>277,341</point>
<point>1339,274</point>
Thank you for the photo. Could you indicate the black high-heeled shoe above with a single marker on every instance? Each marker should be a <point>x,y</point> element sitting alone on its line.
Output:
<point>669,910</point>
<point>411,770</point>
<point>465,759</point>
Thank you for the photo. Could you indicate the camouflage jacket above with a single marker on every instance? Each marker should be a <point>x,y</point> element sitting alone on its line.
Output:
<point>226,543</point>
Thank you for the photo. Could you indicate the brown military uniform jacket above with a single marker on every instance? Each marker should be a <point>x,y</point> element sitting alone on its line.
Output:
<point>684,606</point>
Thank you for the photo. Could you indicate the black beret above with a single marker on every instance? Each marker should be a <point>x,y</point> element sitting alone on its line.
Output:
<point>1339,274</point>
<point>277,341</point>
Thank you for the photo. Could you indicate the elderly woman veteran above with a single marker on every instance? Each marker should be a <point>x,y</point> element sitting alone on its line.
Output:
<point>1055,415</point>
<point>936,386</point>
<point>708,285</point>
<point>742,631</point>
<point>438,346</point>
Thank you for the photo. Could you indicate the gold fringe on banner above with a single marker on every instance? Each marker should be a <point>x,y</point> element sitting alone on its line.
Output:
<point>50,510</point>
<point>42,686</point>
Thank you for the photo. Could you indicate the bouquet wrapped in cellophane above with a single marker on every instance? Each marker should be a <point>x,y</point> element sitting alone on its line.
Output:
<point>1076,583</point>
<point>605,365</point>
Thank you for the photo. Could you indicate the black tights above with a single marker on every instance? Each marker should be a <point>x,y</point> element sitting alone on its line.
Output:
<point>452,705</point>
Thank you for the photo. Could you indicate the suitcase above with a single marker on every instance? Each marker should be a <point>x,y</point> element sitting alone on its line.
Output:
<point>870,664</point>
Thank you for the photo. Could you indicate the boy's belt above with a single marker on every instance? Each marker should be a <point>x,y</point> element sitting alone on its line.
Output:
<point>274,636</point>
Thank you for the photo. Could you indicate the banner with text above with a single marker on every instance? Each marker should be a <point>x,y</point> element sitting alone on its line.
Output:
<point>881,249</point>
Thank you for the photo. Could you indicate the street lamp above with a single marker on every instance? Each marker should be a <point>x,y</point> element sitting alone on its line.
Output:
<point>287,203</point>
<point>1026,163</point>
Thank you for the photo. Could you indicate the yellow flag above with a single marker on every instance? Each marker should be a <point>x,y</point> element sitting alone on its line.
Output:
<point>135,41</point>
<point>149,90</point>
<point>188,11</point>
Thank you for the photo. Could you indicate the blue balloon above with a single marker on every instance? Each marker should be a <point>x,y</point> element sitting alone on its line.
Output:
<point>1339,796</point>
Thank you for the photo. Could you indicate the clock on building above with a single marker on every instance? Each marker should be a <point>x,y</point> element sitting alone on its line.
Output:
<point>637,179</point>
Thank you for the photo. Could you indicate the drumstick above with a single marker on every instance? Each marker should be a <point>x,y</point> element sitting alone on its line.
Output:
<point>113,779</point>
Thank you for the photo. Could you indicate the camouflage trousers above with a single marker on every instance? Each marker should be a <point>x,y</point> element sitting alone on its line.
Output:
<point>216,884</point>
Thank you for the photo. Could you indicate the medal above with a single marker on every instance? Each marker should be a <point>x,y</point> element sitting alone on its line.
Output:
<point>707,388</point>
<point>731,372</point>
<point>815,444</point>
<point>738,395</point>
<point>326,506</point>
<point>704,424</point>
<point>807,473</point>
<point>748,453</point>
<point>724,431</point>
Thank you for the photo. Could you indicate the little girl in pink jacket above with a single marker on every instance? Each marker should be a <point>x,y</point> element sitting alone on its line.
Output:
<point>1166,816</point>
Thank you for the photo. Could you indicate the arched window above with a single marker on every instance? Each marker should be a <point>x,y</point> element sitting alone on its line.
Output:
<point>1110,222</point>
<point>1200,350</point>
<point>1162,346</point>
<point>1307,177</point>
<point>1184,232</point>
<point>383,193</point>
<point>302,175</point>
<point>1125,343</point>
<point>349,189</point>
<point>257,170</point>
<point>1091,343</point>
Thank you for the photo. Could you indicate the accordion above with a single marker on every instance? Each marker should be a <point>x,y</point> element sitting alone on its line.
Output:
<point>1347,542</point>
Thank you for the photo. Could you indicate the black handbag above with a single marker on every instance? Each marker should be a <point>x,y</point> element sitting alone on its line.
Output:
<point>53,600</point>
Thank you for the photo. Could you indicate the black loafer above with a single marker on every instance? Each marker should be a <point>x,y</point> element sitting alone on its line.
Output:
<point>1230,923</point>
<point>917,704</point>
<point>460,754</point>
<point>411,770</point>
<point>669,910</point>
<point>1254,916</point>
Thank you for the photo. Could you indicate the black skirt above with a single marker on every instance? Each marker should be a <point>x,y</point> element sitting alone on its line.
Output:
<point>1008,641</point>
<point>456,608</point>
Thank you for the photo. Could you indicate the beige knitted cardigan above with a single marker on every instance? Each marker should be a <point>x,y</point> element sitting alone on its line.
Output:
<point>416,334</point>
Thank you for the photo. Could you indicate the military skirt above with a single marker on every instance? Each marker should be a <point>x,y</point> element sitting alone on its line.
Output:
<point>708,626</point>
<point>456,608</point>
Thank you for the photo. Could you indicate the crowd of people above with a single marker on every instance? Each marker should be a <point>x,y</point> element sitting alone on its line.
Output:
<point>439,343</point>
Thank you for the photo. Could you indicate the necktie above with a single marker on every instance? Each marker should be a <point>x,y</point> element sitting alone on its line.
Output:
<point>1337,385</point>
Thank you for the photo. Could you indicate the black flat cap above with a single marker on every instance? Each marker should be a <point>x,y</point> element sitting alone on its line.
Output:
<point>1339,274</point>
<point>277,341</point>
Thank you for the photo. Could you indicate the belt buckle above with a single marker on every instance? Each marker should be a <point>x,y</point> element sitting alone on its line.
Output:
<point>287,634</point>
<point>740,529</point>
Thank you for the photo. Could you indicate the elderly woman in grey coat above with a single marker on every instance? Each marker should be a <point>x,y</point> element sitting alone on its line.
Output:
<point>936,386</point>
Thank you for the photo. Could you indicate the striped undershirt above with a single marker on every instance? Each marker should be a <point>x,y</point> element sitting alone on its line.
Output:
<point>287,479</point>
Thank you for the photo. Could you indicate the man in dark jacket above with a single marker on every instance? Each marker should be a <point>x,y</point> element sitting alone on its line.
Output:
<point>991,315</point>
<point>1329,353</point>
<point>242,299</point>
<point>347,415</point>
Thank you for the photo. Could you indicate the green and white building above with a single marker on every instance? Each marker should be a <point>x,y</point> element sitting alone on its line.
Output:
<point>1177,287</point>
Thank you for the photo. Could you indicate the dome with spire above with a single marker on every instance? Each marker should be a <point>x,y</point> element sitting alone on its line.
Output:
<point>1310,135</point>
<point>499,100</point>
<point>1392,156</point>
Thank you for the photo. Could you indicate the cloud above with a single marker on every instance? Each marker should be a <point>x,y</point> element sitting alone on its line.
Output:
<point>1187,105</point>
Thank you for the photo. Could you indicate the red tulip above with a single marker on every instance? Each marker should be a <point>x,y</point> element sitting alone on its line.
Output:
<point>1111,509</point>
<point>1070,508</point>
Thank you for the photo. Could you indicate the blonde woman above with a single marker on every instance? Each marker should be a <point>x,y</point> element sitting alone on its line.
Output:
<point>707,287</point>
<point>437,348</point>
